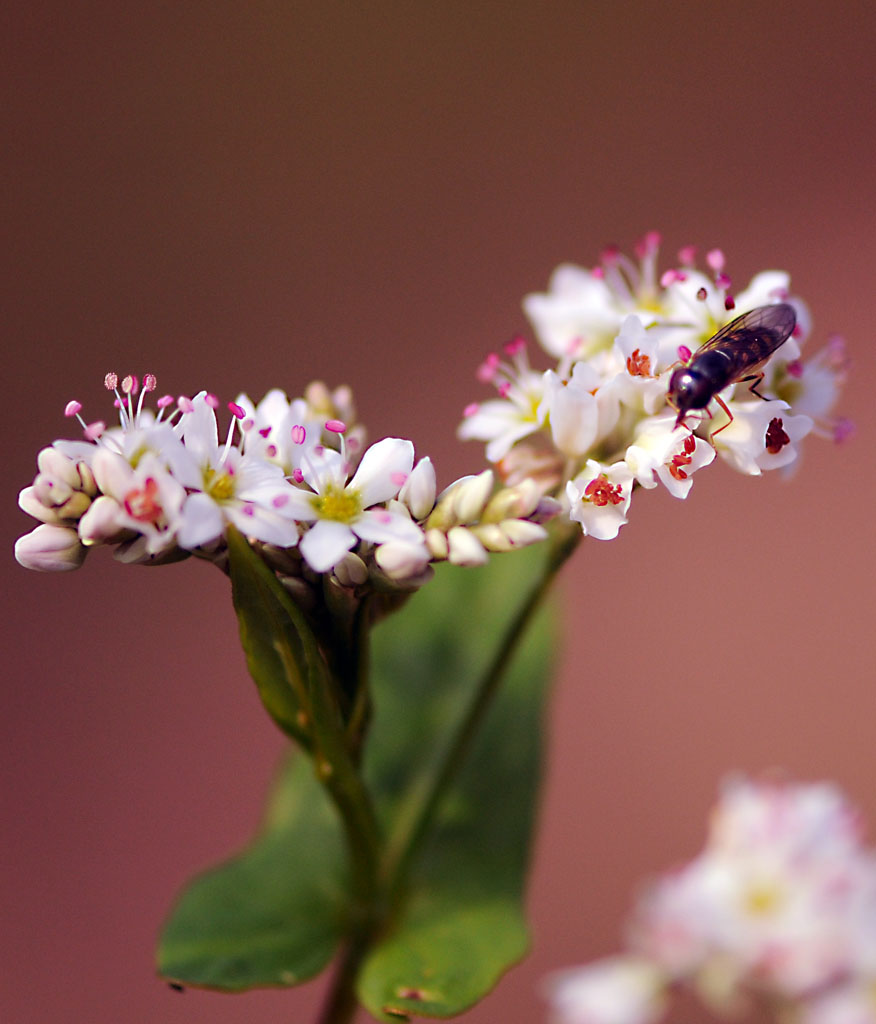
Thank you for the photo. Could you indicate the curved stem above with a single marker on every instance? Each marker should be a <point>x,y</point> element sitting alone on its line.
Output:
<point>410,832</point>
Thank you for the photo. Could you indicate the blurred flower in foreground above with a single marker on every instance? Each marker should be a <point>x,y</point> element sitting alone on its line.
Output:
<point>598,424</point>
<point>779,908</point>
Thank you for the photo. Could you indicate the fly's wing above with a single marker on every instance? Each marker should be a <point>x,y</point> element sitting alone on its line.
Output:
<point>751,339</point>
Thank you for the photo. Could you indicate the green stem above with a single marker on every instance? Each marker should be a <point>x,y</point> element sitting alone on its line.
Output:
<point>413,827</point>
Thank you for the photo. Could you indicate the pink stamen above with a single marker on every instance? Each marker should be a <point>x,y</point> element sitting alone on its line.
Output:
<point>150,382</point>
<point>843,429</point>
<point>185,404</point>
<point>684,353</point>
<point>687,255</point>
<point>299,434</point>
<point>598,273</point>
<point>487,370</point>
<point>335,426</point>
<point>212,401</point>
<point>130,384</point>
<point>729,302</point>
<point>723,282</point>
<point>94,430</point>
<point>515,346</point>
<point>470,409</point>
<point>164,401</point>
<point>795,368</point>
<point>72,407</point>
<point>504,387</point>
<point>117,403</point>
<point>672,277</point>
<point>111,381</point>
<point>715,260</point>
<point>647,245</point>
<point>237,411</point>
<point>610,255</point>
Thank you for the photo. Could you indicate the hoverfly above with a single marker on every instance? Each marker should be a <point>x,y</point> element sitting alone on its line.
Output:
<point>733,356</point>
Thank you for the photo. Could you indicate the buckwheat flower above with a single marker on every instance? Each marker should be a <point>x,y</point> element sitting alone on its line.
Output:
<point>667,454</point>
<point>145,500</point>
<point>50,548</point>
<point>342,511</point>
<point>279,430</point>
<point>516,413</point>
<point>599,498</point>
<point>582,311</point>
<point>228,486</point>
<point>616,990</point>
<point>761,436</point>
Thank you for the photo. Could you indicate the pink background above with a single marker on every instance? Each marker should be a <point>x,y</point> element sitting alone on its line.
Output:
<point>238,196</point>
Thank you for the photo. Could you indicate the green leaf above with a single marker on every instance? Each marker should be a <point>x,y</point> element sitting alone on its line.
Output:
<point>273,915</point>
<point>273,634</point>
<point>463,924</point>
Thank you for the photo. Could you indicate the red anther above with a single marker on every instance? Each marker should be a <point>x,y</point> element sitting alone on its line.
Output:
<point>164,401</point>
<point>237,411</point>
<point>515,346</point>
<point>335,426</point>
<point>610,254</point>
<point>598,273</point>
<point>150,382</point>
<point>185,404</point>
<point>639,365</point>
<point>72,407</point>
<point>503,387</point>
<point>470,409</point>
<point>265,431</point>
<point>602,493</point>
<point>684,353</point>
<point>297,476</point>
<point>795,368</point>
<point>729,302</point>
<point>299,434</point>
<point>487,370</point>
<point>687,255</point>
<point>702,294</point>
<point>776,438</point>
<point>212,401</point>
<point>111,381</point>
<point>723,282</point>
<point>130,384</point>
<point>690,443</point>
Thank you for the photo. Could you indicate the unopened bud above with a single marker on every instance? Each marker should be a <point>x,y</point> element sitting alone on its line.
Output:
<point>351,570</point>
<point>418,491</point>
<point>400,560</point>
<point>100,524</point>
<point>470,497</point>
<point>436,541</point>
<point>59,467</point>
<point>464,548</point>
<point>50,549</point>
<point>513,502</point>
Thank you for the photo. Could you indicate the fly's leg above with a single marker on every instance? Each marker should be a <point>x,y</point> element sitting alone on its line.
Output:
<point>755,378</point>
<point>723,405</point>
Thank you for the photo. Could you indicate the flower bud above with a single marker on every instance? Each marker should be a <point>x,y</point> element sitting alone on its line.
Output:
<point>513,502</point>
<point>400,560</point>
<point>521,532</point>
<point>464,548</point>
<point>436,541</point>
<point>53,464</point>
<point>418,491</point>
<point>50,549</point>
<point>351,570</point>
<point>100,524</point>
<point>470,497</point>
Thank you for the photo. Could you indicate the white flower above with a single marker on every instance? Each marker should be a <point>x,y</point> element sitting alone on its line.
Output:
<point>761,436</point>
<point>228,487</point>
<point>144,499</point>
<point>669,454</point>
<point>617,990</point>
<point>342,512</point>
<point>599,498</point>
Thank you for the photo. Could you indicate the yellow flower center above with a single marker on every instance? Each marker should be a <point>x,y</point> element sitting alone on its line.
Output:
<point>219,485</point>
<point>762,899</point>
<point>338,504</point>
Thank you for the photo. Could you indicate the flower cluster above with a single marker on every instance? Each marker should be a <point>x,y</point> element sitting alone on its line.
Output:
<point>599,423</point>
<point>779,907</point>
<point>295,477</point>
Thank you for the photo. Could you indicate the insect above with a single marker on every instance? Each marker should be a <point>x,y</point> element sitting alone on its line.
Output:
<point>733,356</point>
